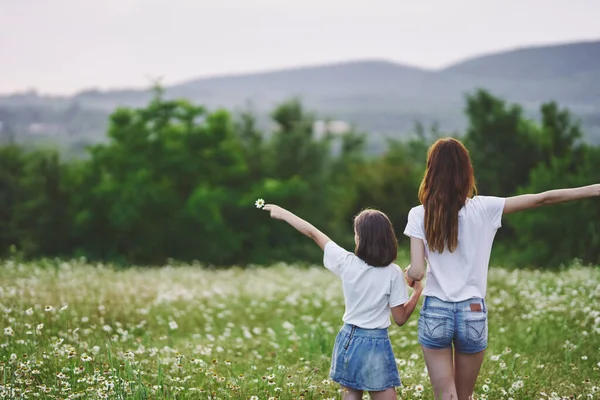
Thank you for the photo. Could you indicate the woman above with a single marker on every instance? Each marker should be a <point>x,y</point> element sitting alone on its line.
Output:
<point>454,232</point>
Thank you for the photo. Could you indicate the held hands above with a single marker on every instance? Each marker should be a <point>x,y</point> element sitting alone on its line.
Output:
<point>411,282</point>
<point>416,285</point>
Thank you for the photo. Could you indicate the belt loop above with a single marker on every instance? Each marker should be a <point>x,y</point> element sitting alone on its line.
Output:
<point>425,303</point>
<point>484,305</point>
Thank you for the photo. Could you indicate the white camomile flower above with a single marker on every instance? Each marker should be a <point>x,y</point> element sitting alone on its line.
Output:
<point>260,203</point>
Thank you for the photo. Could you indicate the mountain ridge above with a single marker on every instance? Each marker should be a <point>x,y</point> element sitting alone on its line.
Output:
<point>379,96</point>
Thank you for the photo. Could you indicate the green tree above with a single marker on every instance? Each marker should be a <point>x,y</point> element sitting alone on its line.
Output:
<point>162,186</point>
<point>12,165</point>
<point>560,134</point>
<point>504,146</point>
<point>549,237</point>
<point>43,219</point>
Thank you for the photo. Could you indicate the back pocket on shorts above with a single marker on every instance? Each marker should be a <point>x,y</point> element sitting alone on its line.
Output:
<point>434,326</point>
<point>476,329</point>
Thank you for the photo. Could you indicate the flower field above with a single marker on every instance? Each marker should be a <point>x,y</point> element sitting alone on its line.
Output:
<point>73,330</point>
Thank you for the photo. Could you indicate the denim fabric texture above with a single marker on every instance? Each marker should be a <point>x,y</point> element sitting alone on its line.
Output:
<point>463,324</point>
<point>363,359</point>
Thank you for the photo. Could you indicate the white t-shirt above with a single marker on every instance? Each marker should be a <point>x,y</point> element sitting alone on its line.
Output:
<point>461,275</point>
<point>369,292</point>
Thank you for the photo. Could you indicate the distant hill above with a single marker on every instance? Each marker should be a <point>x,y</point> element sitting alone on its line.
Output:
<point>534,63</point>
<point>380,97</point>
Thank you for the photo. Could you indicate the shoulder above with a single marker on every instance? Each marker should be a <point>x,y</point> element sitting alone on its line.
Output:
<point>335,258</point>
<point>395,269</point>
<point>488,202</point>
<point>479,199</point>
<point>489,207</point>
<point>333,249</point>
<point>415,226</point>
<point>417,212</point>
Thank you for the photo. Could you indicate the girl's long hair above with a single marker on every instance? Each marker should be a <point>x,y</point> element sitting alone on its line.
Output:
<point>446,185</point>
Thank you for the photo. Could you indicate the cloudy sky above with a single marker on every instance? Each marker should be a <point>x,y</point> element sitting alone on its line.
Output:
<point>62,46</point>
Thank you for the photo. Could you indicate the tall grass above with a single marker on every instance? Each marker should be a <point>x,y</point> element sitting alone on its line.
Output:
<point>72,330</point>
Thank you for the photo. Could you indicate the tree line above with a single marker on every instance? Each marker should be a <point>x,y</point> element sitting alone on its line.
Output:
<point>174,180</point>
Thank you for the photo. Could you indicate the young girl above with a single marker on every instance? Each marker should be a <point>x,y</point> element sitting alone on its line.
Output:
<point>363,359</point>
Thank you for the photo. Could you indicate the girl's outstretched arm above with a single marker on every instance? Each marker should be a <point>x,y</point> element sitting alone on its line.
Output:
<point>298,223</point>
<point>529,201</point>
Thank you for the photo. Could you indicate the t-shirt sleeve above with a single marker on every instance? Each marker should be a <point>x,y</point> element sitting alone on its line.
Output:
<point>494,208</point>
<point>398,294</point>
<point>335,258</point>
<point>414,226</point>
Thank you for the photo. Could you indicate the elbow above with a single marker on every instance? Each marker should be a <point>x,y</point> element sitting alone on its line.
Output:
<point>400,321</point>
<point>543,199</point>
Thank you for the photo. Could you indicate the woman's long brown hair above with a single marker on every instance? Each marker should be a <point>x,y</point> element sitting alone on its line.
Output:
<point>448,182</point>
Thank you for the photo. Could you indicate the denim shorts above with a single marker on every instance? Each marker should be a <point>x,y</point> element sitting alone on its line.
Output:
<point>363,359</point>
<point>464,323</point>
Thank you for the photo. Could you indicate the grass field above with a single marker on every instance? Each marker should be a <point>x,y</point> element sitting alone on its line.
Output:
<point>72,330</point>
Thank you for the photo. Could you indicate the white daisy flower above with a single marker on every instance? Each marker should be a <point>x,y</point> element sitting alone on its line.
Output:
<point>260,203</point>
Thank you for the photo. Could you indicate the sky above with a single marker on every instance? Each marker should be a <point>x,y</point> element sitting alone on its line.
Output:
<point>64,46</point>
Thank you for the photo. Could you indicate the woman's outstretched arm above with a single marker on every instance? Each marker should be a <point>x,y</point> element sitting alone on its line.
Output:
<point>529,201</point>
<point>298,223</point>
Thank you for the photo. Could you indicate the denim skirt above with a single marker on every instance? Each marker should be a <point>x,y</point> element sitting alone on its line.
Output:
<point>363,359</point>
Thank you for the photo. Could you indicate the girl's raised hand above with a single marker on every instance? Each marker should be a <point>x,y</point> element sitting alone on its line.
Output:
<point>276,211</point>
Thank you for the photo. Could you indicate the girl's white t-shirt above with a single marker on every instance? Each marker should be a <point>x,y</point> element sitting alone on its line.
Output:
<point>462,274</point>
<point>369,292</point>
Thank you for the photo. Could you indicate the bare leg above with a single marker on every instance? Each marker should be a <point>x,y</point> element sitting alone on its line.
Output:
<point>351,394</point>
<point>388,394</point>
<point>441,372</point>
<point>466,370</point>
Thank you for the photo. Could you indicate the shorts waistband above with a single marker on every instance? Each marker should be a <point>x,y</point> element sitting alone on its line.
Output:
<point>361,332</point>
<point>466,305</point>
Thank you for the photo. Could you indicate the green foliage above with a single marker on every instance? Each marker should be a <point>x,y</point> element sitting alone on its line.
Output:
<point>503,145</point>
<point>552,236</point>
<point>175,180</point>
